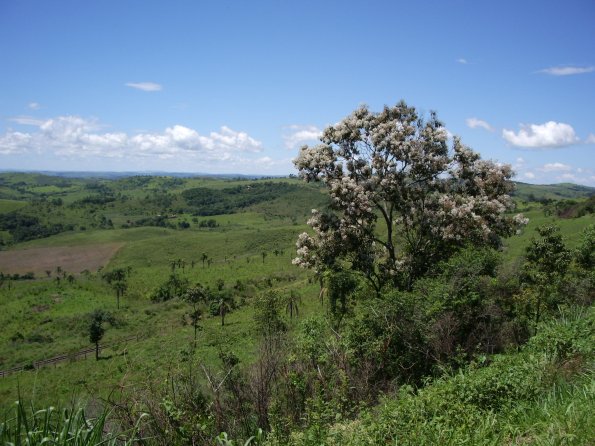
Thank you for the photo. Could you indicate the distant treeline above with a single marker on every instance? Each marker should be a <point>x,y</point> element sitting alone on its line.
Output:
<point>209,201</point>
<point>27,227</point>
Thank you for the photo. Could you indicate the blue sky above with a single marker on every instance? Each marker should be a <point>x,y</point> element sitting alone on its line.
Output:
<point>239,86</point>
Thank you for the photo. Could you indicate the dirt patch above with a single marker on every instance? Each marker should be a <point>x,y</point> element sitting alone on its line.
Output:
<point>40,308</point>
<point>73,259</point>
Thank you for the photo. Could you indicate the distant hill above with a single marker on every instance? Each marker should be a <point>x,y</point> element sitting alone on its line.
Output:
<point>115,175</point>
<point>539,192</point>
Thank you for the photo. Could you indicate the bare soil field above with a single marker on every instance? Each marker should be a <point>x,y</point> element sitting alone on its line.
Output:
<point>73,259</point>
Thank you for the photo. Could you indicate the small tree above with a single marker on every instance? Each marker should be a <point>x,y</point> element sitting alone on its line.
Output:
<point>292,303</point>
<point>340,286</point>
<point>195,296</point>
<point>585,252</point>
<point>118,279</point>
<point>395,170</point>
<point>268,314</point>
<point>548,260</point>
<point>96,330</point>
<point>224,302</point>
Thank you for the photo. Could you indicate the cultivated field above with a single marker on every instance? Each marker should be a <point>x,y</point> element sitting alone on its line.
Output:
<point>73,259</point>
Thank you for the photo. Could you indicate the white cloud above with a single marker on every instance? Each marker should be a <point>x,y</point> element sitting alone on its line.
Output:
<point>145,86</point>
<point>27,120</point>
<point>475,123</point>
<point>300,134</point>
<point>462,61</point>
<point>536,136</point>
<point>14,142</point>
<point>566,71</point>
<point>567,177</point>
<point>555,167</point>
<point>529,175</point>
<point>590,139</point>
<point>73,136</point>
<point>34,105</point>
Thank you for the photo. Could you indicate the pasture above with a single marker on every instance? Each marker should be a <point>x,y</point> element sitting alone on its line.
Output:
<point>247,251</point>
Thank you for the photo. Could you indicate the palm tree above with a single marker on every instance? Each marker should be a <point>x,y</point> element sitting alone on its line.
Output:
<point>292,303</point>
<point>120,286</point>
<point>224,302</point>
<point>117,278</point>
<point>195,296</point>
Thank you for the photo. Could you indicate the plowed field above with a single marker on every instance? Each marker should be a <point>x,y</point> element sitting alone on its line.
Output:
<point>72,259</point>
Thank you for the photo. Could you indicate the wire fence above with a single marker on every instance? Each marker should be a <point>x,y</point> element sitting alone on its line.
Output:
<point>75,356</point>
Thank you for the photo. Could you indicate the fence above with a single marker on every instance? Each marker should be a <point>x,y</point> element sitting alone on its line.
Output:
<point>61,358</point>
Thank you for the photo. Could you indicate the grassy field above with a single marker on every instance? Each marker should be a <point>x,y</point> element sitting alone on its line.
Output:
<point>249,249</point>
<point>11,205</point>
<point>44,318</point>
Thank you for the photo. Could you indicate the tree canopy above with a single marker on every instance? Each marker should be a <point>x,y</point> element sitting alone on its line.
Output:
<point>402,197</point>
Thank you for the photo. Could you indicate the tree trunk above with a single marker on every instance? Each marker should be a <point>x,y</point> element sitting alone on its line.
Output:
<point>97,351</point>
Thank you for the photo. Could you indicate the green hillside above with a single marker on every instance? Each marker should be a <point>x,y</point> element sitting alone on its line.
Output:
<point>278,347</point>
<point>534,192</point>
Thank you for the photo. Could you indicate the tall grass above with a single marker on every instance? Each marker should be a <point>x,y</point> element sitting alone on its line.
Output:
<point>66,427</point>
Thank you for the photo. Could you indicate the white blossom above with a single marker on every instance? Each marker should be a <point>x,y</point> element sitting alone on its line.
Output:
<point>393,169</point>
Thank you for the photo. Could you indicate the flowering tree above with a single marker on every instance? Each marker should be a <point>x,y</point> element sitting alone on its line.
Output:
<point>401,199</point>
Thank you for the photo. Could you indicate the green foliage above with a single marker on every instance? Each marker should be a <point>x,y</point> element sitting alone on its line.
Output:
<point>23,227</point>
<point>511,397</point>
<point>175,286</point>
<point>96,330</point>
<point>268,310</point>
<point>292,303</point>
<point>585,252</point>
<point>340,286</point>
<point>532,192</point>
<point>302,382</point>
<point>196,296</point>
<point>548,260</point>
<point>548,255</point>
<point>67,427</point>
<point>206,201</point>
<point>572,208</point>
<point>222,302</point>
